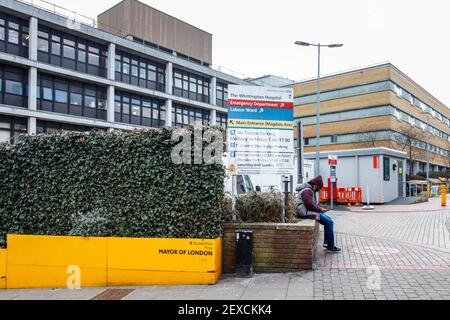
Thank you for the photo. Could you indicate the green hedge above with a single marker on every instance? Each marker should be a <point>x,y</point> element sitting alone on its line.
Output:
<point>107,184</point>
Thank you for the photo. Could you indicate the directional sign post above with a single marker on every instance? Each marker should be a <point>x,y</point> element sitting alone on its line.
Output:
<point>332,162</point>
<point>260,130</point>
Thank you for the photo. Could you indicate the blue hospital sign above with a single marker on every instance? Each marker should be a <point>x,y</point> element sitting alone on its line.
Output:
<point>260,129</point>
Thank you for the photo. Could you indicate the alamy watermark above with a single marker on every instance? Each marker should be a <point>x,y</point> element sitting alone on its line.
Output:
<point>373,278</point>
<point>197,146</point>
<point>73,281</point>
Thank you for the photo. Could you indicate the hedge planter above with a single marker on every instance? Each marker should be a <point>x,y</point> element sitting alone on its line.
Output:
<point>277,247</point>
<point>32,261</point>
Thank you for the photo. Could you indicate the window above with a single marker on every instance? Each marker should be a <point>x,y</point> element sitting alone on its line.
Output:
<point>47,127</point>
<point>93,59</point>
<point>134,68</point>
<point>146,112</point>
<point>61,96</point>
<point>71,97</point>
<point>139,110</point>
<point>76,99</point>
<point>11,128</point>
<point>126,68</point>
<point>139,71</point>
<point>221,119</point>
<point>69,52</point>
<point>142,70</point>
<point>89,101</point>
<point>47,93</point>
<point>191,86</point>
<point>222,94</point>
<point>136,110</point>
<point>25,36</point>
<point>42,45</point>
<point>334,139</point>
<point>386,169</point>
<point>187,116</point>
<point>13,87</point>
<point>13,36</point>
<point>56,48</point>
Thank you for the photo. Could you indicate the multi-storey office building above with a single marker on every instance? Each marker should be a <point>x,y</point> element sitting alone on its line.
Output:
<point>377,106</point>
<point>57,73</point>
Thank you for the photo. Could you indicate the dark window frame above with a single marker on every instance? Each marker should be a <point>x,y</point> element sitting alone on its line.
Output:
<point>154,71</point>
<point>11,73</point>
<point>13,129</point>
<point>21,47</point>
<point>222,94</point>
<point>187,80</point>
<point>74,88</point>
<point>82,49</point>
<point>185,113</point>
<point>155,105</point>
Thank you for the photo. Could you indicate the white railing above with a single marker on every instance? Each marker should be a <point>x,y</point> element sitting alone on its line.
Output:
<point>68,14</point>
<point>75,16</point>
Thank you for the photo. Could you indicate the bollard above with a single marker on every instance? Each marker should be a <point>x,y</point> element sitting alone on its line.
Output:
<point>444,196</point>
<point>244,253</point>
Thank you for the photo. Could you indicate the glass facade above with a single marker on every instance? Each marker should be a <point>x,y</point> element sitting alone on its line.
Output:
<point>222,94</point>
<point>184,116</point>
<point>371,88</point>
<point>87,53</point>
<point>61,95</point>
<point>14,35</point>
<point>48,127</point>
<point>139,110</point>
<point>65,50</point>
<point>376,136</point>
<point>139,71</point>
<point>190,86</point>
<point>13,86</point>
<point>11,128</point>
<point>221,119</point>
<point>376,111</point>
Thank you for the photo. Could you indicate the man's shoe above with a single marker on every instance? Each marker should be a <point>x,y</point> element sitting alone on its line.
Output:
<point>334,249</point>
<point>325,246</point>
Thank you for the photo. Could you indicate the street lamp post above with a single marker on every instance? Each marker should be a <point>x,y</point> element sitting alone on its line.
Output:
<point>307,44</point>
<point>428,147</point>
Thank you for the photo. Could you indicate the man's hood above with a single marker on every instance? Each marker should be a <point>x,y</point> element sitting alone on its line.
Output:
<point>317,182</point>
<point>302,186</point>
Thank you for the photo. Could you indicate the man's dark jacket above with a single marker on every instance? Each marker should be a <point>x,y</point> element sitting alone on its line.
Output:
<point>307,197</point>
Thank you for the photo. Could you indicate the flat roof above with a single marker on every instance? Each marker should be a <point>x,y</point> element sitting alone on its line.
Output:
<point>165,13</point>
<point>358,152</point>
<point>372,66</point>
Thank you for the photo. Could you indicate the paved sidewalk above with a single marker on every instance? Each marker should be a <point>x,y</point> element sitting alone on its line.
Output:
<point>385,256</point>
<point>433,204</point>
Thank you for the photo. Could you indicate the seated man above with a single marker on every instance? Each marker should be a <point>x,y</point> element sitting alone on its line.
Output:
<point>307,208</point>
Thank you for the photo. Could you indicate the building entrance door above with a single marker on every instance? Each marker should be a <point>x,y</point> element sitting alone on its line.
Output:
<point>401,182</point>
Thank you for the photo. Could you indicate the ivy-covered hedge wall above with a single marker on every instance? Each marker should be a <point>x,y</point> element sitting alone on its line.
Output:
<point>107,184</point>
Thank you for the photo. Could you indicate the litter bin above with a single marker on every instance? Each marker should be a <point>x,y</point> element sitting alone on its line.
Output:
<point>244,253</point>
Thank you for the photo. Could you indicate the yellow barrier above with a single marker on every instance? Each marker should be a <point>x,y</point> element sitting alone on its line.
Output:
<point>60,261</point>
<point>2,268</point>
<point>49,261</point>
<point>162,261</point>
<point>443,196</point>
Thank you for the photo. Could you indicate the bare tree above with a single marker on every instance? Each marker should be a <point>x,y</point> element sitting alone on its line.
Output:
<point>409,139</point>
<point>369,136</point>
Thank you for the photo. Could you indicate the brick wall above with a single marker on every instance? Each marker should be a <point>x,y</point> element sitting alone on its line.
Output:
<point>277,247</point>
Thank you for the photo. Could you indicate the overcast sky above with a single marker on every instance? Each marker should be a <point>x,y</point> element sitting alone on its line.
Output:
<point>256,37</point>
